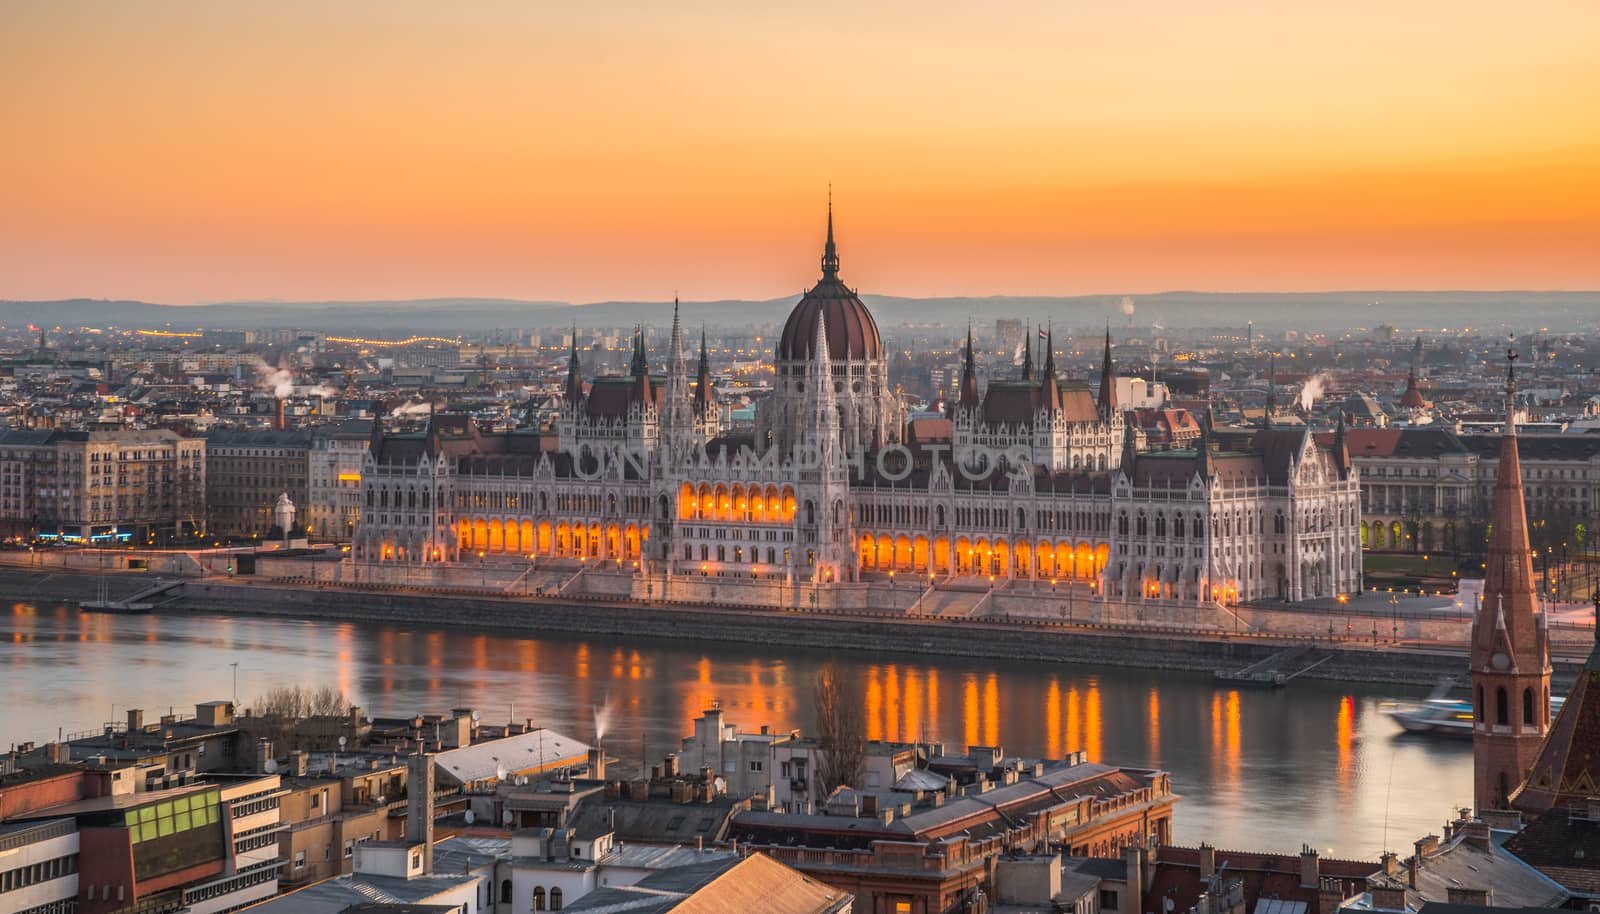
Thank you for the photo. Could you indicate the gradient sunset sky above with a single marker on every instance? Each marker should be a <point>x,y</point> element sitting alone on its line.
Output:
<point>206,151</point>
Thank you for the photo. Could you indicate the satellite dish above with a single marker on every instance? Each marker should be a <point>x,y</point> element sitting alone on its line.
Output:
<point>271,766</point>
<point>342,741</point>
<point>500,772</point>
<point>507,818</point>
<point>470,816</point>
<point>475,716</point>
<point>380,799</point>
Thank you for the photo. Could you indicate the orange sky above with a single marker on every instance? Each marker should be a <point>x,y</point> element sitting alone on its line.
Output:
<point>205,151</point>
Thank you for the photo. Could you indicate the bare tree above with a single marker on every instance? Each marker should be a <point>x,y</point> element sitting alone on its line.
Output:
<point>841,730</point>
<point>295,717</point>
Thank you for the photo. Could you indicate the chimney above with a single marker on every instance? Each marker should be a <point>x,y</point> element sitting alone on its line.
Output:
<point>1476,833</point>
<point>1426,845</point>
<point>135,720</point>
<point>869,804</point>
<point>1330,895</point>
<point>1132,897</point>
<point>1391,863</point>
<point>297,763</point>
<point>263,754</point>
<point>419,807</point>
<point>1208,861</point>
<point>277,415</point>
<point>1310,878</point>
<point>671,765</point>
<point>355,722</point>
<point>1412,865</point>
<point>1482,898</point>
<point>597,764</point>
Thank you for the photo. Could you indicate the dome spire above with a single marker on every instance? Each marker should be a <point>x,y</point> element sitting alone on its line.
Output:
<point>830,251</point>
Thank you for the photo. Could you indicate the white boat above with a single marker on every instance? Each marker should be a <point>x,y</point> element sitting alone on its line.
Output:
<point>1438,715</point>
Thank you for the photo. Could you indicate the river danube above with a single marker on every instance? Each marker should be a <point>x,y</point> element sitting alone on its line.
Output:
<point>1314,763</point>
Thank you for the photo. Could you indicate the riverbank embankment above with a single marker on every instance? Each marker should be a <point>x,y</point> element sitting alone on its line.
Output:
<point>1016,640</point>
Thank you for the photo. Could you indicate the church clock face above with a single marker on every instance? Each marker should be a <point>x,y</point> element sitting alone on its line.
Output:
<point>1500,661</point>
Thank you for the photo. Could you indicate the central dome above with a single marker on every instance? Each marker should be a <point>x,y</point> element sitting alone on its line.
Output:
<point>852,333</point>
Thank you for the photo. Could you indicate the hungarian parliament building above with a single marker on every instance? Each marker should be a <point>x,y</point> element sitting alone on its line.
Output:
<point>1031,478</point>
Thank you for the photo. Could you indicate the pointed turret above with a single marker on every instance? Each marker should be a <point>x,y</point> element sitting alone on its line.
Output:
<point>822,412</point>
<point>830,251</point>
<point>1272,391</point>
<point>1027,357</point>
<point>969,377</point>
<point>574,391</point>
<point>1049,384</point>
<point>702,385</point>
<point>1510,648</point>
<point>1108,382</point>
<point>679,418</point>
<point>640,365</point>
<point>1202,463</point>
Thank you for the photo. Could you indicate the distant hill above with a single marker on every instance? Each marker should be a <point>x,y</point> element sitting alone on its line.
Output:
<point>1491,311</point>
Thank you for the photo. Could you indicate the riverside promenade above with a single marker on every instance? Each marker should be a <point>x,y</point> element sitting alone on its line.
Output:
<point>1370,639</point>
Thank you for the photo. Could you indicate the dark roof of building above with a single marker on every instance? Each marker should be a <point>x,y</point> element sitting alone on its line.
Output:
<point>1564,847</point>
<point>1421,442</point>
<point>1537,447</point>
<point>1176,877</point>
<point>655,820</point>
<point>1445,907</point>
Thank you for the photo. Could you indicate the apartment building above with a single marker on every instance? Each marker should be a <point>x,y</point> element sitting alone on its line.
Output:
<point>128,486</point>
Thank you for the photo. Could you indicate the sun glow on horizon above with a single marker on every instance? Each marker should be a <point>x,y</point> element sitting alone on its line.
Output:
<point>185,152</point>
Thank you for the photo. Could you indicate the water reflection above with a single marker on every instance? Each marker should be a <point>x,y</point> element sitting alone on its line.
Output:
<point>1314,763</point>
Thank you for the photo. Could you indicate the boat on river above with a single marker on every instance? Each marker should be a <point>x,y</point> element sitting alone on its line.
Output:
<point>1441,713</point>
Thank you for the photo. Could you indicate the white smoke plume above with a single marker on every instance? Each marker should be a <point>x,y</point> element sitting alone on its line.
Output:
<point>411,409</point>
<point>1312,390</point>
<point>322,390</point>
<point>276,381</point>
<point>1127,307</point>
<point>602,720</point>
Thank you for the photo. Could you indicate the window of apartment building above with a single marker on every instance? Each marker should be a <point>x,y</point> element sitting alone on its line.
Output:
<point>755,766</point>
<point>300,860</point>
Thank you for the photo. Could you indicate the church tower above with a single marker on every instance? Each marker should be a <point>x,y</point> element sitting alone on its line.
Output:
<point>1510,643</point>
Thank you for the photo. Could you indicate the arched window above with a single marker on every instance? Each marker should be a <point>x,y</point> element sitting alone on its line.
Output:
<point>811,515</point>
<point>1480,704</point>
<point>505,891</point>
<point>1161,525</point>
<point>1527,707</point>
<point>1142,525</point>
<point>555,898</point>
<point>1501,713</point>
<point>538,898</point>
<point>1122,524</point>
<point>1277,523</point>
<point>940,514</point>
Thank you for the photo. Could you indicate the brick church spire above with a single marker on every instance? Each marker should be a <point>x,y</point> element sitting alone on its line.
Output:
<point>1510,644</point>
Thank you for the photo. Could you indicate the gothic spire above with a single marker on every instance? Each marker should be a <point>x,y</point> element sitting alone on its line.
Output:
<point>1108,381</point>
<point>830,251</point>
<point>702,389</point>
<point>969,377</point>
<point>1050,385</point>
<point>574,390</point>
<point>1027,357</point>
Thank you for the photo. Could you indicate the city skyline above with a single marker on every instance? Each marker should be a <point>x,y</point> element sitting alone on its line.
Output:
<point>187,153</point>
